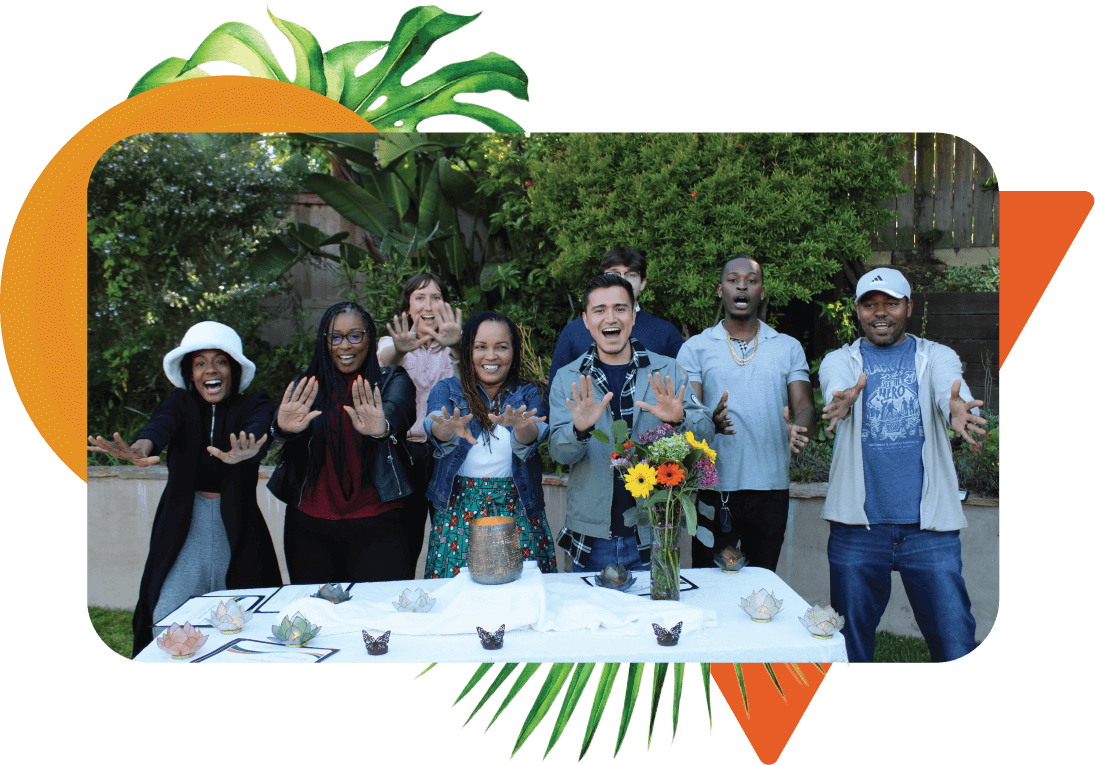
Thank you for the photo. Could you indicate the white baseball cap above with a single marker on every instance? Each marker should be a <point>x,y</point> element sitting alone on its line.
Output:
<point>205,335</point>
<point>888,280</point>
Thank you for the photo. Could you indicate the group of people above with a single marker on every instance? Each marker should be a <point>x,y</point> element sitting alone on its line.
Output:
<point>435,423</point>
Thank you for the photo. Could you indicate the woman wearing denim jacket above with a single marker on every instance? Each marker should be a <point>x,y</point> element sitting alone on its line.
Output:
<point>485,432</point>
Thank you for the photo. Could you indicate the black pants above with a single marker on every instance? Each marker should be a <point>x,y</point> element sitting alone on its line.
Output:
<point>757,522</point>
<point>416,507</point>
<point>349,550</point>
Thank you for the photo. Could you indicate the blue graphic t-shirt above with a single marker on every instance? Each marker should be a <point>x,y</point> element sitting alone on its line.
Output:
<point>893,433</point>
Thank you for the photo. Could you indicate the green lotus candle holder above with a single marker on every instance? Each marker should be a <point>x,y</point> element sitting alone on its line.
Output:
<point>296,631</point>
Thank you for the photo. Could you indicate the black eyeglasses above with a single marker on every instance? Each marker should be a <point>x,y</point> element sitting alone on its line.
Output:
<point>354,337</point>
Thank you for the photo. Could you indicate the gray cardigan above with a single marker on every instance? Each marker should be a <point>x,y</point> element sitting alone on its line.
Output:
<point>589,488</point>
<point>937,367</point>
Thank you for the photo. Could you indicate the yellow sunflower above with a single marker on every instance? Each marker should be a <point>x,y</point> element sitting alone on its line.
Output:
<point>640,480</point>
<point>707,450</point>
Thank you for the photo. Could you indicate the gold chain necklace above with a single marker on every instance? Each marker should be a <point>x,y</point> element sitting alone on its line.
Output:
<point>730,344</point>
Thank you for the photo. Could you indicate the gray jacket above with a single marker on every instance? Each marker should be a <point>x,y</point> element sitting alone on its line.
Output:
<point>937,367</point>
<point>589,490</point>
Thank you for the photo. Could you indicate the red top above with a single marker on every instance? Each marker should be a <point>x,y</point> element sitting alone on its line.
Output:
<point>325,499</point>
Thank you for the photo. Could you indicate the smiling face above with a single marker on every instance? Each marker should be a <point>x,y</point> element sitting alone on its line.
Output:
<point>425,303</point>
<point>741,289</point>
<point>212,375</point>
<point>346,355</point>
<point>883,317</point>
<point>609,317</point>
<point>492,355</point>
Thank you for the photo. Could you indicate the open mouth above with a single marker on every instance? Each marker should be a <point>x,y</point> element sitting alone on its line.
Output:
<point>347,358</point>
<point>490,367</point>
<point>213,386</point>
<point>611,332</point>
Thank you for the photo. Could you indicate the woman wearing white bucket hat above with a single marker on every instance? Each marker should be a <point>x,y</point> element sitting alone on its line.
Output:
<point>208,533</point>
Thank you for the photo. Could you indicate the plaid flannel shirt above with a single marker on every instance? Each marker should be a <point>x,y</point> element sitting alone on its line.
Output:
<point>577,545</point>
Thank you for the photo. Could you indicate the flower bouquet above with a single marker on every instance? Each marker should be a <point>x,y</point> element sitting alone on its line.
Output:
<point>662,469</point>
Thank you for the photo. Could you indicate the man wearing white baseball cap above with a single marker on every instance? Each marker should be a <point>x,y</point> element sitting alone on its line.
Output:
<point>893,503</point>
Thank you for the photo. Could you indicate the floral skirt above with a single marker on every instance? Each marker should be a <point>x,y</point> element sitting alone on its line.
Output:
<point>473,498</point>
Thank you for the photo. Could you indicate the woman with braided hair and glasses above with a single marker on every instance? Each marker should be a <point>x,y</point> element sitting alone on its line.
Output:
<point>485,431</point>
<point>341,472</point>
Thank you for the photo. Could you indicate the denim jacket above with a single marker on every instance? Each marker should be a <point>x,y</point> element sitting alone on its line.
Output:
<point>528,469</point>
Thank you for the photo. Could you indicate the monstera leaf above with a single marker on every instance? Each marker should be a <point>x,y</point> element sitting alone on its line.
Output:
<point>378,95</point>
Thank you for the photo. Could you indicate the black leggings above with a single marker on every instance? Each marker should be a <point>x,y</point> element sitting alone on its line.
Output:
<point>757,523</point>
<point>370,549</point>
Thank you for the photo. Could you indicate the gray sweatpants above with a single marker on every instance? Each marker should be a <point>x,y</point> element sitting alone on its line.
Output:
<point>202,563</point>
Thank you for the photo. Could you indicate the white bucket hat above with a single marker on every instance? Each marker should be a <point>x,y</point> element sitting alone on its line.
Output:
<point>203,335</point>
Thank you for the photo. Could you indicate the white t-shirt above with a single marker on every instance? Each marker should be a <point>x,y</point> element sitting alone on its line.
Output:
<point>493,462</point>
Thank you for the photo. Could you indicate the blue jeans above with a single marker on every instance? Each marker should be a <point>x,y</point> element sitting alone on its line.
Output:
<point>619,551</point>
<point>930,564</point>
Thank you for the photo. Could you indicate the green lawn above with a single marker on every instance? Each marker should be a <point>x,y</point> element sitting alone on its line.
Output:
<point>115,627</point>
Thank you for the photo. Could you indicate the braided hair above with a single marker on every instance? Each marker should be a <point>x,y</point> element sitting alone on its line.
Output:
<point>469,378</point>
<point>331,397</point>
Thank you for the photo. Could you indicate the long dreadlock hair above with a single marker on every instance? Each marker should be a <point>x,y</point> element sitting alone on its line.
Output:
<point>330,398</point>
<point>469,378</point>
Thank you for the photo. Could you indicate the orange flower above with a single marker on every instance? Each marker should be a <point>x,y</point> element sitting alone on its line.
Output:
<point>670,474</point>
<point>693,193</point>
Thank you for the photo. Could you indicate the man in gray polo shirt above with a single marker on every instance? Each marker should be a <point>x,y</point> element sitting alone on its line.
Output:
<point>762,378</point>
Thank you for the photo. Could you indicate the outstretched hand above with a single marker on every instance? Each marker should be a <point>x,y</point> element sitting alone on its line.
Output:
<point>295,412</point>
<point>119,450</point>
<point>583,408</point>
<point>367,413</point>
<point>842,403</point>
<point>721,416</point>
<point>796,434</point>
<point>404,335</point>
<point>447,331</point>
<point>521,422</point>
<point>962,421</point>
<point>448,425</point>
<point>243,448</point>
<point>667,407</point>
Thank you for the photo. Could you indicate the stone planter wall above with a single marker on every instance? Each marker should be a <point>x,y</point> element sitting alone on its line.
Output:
<point>121,503</point>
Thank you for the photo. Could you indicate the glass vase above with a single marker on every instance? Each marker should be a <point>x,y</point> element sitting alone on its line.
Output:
<point>665,563</point>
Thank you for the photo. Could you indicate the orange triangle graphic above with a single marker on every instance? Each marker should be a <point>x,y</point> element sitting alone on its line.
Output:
<point>771,717</point>
<point>1042,223</point>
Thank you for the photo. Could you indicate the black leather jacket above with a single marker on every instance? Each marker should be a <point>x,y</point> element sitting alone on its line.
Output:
<point>390,457</point>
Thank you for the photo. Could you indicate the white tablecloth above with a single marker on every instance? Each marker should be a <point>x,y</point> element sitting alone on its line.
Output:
<point>716,629</point>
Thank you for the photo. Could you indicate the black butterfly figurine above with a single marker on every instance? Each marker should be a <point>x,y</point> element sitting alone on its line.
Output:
<point>489,641</point>
<point>667,637</point>
<point>376,646</point>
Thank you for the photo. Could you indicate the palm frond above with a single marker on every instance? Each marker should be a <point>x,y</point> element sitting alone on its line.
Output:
<point>553,683</point>
<point>505,672</point>
<point>482,670</point>
<point>600,699</point>
<point>427,669</point>
<point>741,687</point>
<point>656,694</point>
<point>772,674</point>
<point>631,692</point>
<point>705,672</point>
<point>570,700</point>
<point>518,684</point>
<point>678,683</point>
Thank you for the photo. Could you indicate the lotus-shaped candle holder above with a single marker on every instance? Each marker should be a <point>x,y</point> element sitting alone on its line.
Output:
<point>731,560</point>
<point>296,631</point>
<point>332,593</point>
<point>615,578</point>
<point>181,641</point>
<point>419,603</point>
<point>761,606</point>
<point>822,622</point>
<point>228,617</point>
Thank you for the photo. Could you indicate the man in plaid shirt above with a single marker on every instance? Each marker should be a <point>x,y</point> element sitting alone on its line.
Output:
<point>615,379</point>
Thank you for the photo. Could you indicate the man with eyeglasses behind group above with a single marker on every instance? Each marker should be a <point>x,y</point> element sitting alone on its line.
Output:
<point>656,335</point>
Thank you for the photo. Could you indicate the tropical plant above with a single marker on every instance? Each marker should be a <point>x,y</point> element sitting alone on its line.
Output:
<point>378,95</point>
<point>404,190</point>
<point>803,204</point>
<point>579,675</point>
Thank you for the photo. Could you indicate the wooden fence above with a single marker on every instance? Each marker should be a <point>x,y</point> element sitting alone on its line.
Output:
<point>952,200</point>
